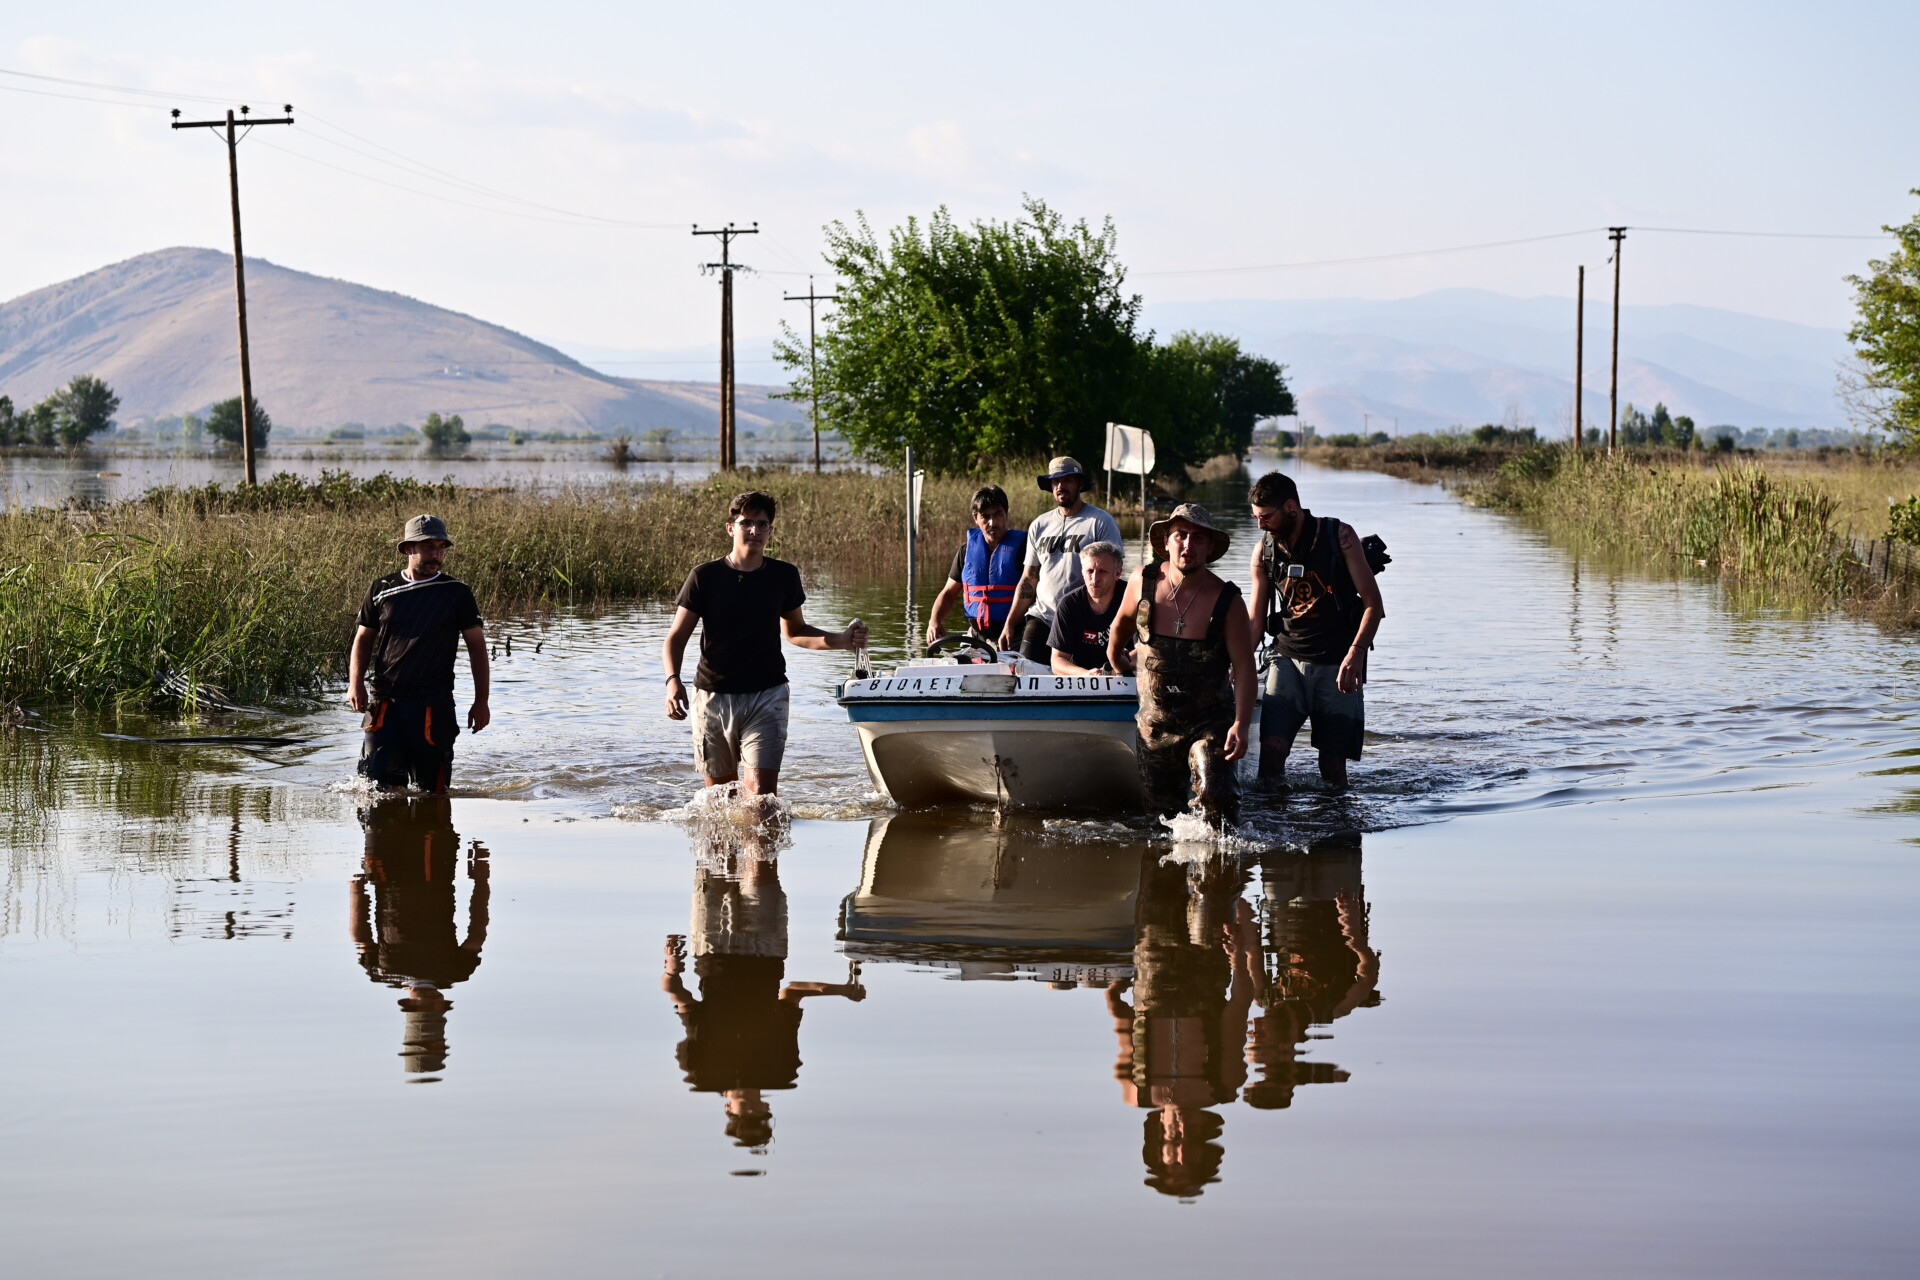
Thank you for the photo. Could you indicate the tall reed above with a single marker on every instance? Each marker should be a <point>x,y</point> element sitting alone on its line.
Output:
<point>254,590</point>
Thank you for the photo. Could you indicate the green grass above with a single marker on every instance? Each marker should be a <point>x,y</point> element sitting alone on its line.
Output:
<point>253,591</point>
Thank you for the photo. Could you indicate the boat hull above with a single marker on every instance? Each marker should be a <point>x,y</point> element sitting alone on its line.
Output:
<point>1080,758</point>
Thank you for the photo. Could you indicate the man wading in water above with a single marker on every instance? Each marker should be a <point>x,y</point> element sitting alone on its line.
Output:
<point>410,623</point>
<point>1053,558</point>
<point>1181,626</point>
<point>744,600</point>
<point>1315,594</point>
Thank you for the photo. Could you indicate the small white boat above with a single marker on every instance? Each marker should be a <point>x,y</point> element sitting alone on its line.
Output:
<point>1005,732</point>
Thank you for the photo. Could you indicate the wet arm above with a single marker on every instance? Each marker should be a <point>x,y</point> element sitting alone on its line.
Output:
<point>1064,665</point>
<point>1240,651</point>
<point>943,605</point>
<point>477,904</point>
<point>804,635</point>
<point>1262,595</point>
<point>1353,668</point>
<point>1120,636</point>
<point>358,655</point>
<point>479,715</point>
<point>798,991</point>
<point>672,651</point>
<point>1024,596</point>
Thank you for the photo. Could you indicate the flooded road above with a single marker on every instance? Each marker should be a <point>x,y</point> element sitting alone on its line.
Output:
<point>1606,966</point>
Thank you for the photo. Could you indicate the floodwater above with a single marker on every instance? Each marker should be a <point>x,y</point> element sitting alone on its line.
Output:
<point>123,471</point>
<point>1607,966</point>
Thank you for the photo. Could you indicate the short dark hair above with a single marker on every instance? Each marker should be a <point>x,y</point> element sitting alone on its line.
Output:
<point>987,497</point>
<point>753,500</point>
<point>1273,490</point>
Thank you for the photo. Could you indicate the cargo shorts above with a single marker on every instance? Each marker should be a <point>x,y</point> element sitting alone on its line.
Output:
<point>735,731</point>
<point>1297,692</point>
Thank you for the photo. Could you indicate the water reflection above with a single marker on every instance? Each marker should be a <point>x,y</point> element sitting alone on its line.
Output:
<point>1213,997</point>
<point>743,1029</point>
<point>406,930</point>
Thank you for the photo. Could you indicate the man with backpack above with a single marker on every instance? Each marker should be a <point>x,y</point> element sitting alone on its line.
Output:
<point>1315,595</point>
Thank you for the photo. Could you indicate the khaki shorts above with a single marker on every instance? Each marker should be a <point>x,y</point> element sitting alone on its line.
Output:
<point>735,731</point>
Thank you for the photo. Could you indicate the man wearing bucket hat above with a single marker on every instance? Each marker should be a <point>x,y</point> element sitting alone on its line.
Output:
<point>1183,630</point>
<point>1054,541</point>
<point>400,671</point>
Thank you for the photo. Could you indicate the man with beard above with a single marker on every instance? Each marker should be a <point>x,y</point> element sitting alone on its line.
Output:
<point>1181,627</point>
<point>409,627</point>
<point>1054,543</point>
<point>1315,594</point>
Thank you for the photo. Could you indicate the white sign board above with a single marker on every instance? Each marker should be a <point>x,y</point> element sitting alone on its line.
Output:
<point>919,486</point>
<point>1129,450</point>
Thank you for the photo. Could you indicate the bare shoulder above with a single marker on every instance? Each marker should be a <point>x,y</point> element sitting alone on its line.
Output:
<point>1348,538</point>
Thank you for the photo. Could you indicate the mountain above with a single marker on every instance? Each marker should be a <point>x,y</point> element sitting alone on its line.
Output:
<point>160,329</point>
<point>1467,356</point>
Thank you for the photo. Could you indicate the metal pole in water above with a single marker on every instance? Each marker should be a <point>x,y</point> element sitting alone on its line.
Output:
<point>912,549</point>
<point>1579,353</point>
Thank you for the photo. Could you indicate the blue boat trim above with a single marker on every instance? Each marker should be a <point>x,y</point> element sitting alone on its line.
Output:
<point>971,709</point>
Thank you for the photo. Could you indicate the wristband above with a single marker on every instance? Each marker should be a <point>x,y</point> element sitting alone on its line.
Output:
<point>670,679</point>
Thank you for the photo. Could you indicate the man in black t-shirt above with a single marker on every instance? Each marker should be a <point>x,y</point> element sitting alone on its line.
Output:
<point>1084,618</point>
<point>400,671</point>
<point>744,601</point>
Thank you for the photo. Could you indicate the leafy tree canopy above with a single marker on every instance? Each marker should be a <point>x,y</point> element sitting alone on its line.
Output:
<point>83,409</point>
<point>1885,394</point>
<point>442,433</point>
<point>223,422</point>
<point>1013,339</point>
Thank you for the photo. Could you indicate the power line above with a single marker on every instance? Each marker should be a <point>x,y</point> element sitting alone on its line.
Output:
<point>813,368</point>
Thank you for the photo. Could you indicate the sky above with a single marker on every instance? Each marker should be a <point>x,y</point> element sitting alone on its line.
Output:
<point>542,166</point>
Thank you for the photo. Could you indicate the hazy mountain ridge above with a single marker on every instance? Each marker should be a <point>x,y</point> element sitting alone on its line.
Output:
<point>1465,356</point>
<point>160,328</point>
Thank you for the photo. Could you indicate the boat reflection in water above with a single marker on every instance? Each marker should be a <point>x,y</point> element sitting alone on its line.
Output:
<point>406,929</point>
<point>743,1029</point>
<point>1212,997</point>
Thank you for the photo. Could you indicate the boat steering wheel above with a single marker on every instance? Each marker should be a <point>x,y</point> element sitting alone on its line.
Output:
<point>984,651</point>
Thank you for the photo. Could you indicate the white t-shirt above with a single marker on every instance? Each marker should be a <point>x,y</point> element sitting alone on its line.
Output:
<point>1053,546</point>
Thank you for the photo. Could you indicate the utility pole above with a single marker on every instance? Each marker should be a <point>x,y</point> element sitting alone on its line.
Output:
<point>1579,352</point>
<point>239,261</point>
<point>1619,237</point>
<point>726,267</point>
<point>813,368</point>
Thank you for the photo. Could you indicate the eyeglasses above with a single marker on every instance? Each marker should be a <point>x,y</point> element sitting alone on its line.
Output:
<point>753,526</point>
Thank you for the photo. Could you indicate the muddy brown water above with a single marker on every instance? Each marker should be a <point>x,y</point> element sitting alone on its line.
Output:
<point>1607,965</point>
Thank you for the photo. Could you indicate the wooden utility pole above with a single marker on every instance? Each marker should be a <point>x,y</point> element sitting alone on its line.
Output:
<point>1619,237</point>
<point>1579,354</point>
<point>239,261</point>
<point>726,267</point>
<point>813,367</point>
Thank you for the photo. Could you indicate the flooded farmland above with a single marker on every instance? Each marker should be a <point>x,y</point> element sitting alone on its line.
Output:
<point>1606,965</point>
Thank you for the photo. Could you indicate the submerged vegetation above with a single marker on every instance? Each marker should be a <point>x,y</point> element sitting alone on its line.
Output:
<point>252,591</point>
<point>1801,530</point>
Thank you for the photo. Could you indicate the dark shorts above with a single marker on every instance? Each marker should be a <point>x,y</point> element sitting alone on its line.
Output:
<point>409,742</point>
<point>1298,692</point>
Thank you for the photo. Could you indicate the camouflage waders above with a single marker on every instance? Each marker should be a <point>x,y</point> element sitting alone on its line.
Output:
<point>1186,708</point>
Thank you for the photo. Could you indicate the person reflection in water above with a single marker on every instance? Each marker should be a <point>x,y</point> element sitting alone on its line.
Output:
<point>1182,1038</point>
<point>743,1031</point>
<point>1321,966</point>
<point>406,930</point>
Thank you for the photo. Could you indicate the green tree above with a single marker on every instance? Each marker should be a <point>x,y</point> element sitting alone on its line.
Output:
<point>1883,391</point>
<point>973,343</point>
<point>444,433</point>
<point>10,425</point>
<point>1232,391</point>
<point>85,407</point>
<point>41,424</point>
<point>224,424</point>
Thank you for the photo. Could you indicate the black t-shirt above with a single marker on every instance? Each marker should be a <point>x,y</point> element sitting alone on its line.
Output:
<point>417,628</point>
<point>1080,631</point>
<point>740,1033</point>
<point>740,616</point>
<point>959,571</point>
